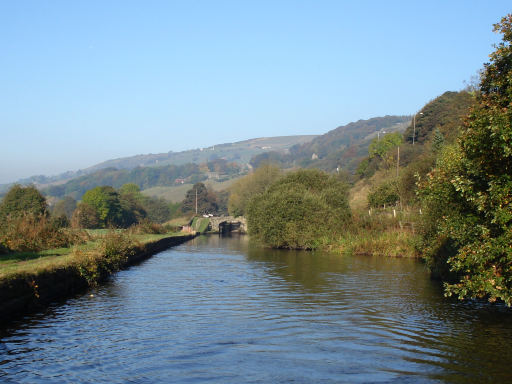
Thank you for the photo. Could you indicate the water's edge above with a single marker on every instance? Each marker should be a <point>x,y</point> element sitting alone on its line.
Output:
<point>34,292</point>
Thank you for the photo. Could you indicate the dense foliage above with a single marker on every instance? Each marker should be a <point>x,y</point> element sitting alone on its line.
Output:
<point>298,210</point>
<point>21,201</point>
<point>25,224</point>
<point>247,187</point>
<point>444,113</point>
<point>202,197</point>
<point>469,195</point>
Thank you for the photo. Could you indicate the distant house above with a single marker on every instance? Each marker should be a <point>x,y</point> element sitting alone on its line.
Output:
<point>213,175</point>
<point>314,156</point>
<point>179,181</point>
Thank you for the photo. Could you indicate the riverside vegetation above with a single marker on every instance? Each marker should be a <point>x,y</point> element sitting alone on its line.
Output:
<point>441,190</point>
<point>449,177</point>
<point>46,257</point>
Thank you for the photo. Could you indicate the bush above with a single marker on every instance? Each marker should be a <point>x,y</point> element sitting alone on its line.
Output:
<point>384,194</point>
<point>147,227</point>
<point>299,210</point>
<point>35,233</point>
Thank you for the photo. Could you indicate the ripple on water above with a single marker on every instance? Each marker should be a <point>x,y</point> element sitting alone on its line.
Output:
<point>220,311</point>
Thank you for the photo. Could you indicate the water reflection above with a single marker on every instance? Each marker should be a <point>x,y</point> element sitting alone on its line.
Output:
<point>223,310</point>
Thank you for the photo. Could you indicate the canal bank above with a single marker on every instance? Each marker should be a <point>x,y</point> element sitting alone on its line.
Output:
<point>28,292</point>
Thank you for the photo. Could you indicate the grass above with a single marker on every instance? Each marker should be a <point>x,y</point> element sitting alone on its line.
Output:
<point>200,224</point>
<point>378,234</point>
<point>179,221</point>
<point>20,263</point>
<point>391,243</point>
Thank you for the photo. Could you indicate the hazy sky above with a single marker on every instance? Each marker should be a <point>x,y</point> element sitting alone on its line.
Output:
<point>86,81</point>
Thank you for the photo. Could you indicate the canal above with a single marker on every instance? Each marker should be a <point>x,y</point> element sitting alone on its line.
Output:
<point>220,310</point>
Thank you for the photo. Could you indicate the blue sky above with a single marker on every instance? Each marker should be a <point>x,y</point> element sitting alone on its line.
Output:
<point>86,81</point>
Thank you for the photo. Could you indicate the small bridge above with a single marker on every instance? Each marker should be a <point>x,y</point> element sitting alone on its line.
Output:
<point>226,224</point>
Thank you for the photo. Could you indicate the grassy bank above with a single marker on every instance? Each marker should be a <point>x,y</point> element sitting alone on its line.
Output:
<point>31,280</point>
<point>391,243</point>
<point>378,233</point>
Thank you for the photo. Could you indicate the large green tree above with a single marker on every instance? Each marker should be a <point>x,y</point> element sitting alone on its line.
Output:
<point>107,204</point>
<point>468,227</point>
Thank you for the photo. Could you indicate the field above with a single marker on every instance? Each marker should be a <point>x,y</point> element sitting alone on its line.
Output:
<point>177,193</point>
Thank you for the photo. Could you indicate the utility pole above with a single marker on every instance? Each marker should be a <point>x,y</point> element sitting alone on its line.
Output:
<point>397,161</point>
<point>196,200</point>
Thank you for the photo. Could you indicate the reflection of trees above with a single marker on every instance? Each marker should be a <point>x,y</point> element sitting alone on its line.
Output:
<point>388,306</point>
<point>311,270</point>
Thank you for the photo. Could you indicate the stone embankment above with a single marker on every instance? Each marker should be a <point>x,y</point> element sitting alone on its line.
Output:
<point>33,292</point>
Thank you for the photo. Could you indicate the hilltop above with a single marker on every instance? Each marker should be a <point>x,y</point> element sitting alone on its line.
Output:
<point>240,152</point>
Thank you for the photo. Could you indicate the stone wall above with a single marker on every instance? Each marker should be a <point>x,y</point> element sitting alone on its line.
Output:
<point>215,221</point>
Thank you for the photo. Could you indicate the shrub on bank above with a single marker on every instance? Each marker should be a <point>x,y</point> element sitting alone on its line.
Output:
<point>148,227</point>
<point>31,232</point>
<point>109,255</point>
<point>299,210</point>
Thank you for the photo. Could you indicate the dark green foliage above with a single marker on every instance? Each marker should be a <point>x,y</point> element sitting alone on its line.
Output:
<point>132,210</point>
<point>20,201</point>
<point>298,210</point>
<point>445,113</point>
<point>158,210</point>
<point>206,200</point>
<point>437,140</point>
<point>468,227</point>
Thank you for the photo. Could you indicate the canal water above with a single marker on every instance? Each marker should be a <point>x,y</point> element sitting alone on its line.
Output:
<point>220,310</point>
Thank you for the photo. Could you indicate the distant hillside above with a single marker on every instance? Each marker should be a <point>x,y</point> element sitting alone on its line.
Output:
<point>240,152</point>
<point>342,147</point>
<point>147,177</point>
